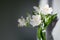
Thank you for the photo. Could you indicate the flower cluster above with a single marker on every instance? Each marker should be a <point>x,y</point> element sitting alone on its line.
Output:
<point>41,15</point>
<point>35,20</point>
<point>45,9</point>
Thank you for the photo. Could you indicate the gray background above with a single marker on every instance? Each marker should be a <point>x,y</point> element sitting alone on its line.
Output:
<point>10,11</point>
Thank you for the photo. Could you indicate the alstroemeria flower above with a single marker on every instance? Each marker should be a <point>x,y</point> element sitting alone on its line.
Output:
<point>22,21</point>
<point>36,20</point>
<point>45,9</point>
<point>37,9</point>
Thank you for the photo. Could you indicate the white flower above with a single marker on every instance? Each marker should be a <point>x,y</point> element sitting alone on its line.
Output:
<point>37,9</point>
<point>45,9</point>
<point>36,20</point>
<point>22,21</point>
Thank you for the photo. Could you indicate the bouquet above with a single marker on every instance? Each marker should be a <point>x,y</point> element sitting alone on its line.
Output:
<point>41,17</point>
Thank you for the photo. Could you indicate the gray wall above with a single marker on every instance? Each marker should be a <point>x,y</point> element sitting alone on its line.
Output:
<point>56,30</point>
<point>10,11</point>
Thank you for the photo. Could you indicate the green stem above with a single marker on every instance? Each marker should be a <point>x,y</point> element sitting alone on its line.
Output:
<point>40,34</point>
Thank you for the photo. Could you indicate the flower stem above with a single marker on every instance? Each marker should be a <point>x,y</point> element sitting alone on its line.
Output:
<point>41,35</point>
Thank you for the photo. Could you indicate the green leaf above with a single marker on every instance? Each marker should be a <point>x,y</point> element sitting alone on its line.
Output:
<point>50,20</point>
<point>39,33</point>
<point>44,35</point>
